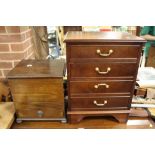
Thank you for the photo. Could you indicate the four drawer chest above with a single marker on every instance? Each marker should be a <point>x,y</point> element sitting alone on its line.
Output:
<point>101,72</point>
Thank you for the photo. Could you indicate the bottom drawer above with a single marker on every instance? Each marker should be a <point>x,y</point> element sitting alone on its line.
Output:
<point>39,110</point>
<point>95,103</point>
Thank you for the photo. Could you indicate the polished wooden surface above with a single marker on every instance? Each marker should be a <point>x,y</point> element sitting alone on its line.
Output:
<point>26,86</point>
<point>30,109</point>
<point>116,69</point>
<point>37,69</point>
<point>101,37</point>
<point>90,51</point>
<point>112,102</point>
<point>38,90</point>
<point>103,86</point>
<point>101,56</point>
<point>138,119</point>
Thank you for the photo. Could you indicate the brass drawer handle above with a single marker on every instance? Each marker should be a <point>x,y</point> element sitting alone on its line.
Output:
<point>40,113</point>
<point>101,84</point>
<point>100,104</point>
<point>98,70</point>
<point>98,51</point>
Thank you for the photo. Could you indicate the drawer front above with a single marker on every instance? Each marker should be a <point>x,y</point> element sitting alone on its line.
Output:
<point>102,86</point>
<point>39,109</point>
<point>38,86</point>
<point>99,102</point>
<point>102,69</point>
<point>107,51</point>
<point>28,98</point>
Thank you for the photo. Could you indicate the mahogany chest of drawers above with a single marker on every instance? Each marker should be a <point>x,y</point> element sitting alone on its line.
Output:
<point>37,89</point>
<point>101,72</point>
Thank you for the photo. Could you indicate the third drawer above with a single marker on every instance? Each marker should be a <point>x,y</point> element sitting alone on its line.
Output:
<point>102,69</point>
<point>101,86</point>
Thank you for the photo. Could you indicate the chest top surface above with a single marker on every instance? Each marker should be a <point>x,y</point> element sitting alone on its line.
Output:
<point>38,69</point>
<point>80,36</point>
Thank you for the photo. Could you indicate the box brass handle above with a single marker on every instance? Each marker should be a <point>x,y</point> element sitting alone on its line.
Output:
<point>40,113</point>
<point>98,70</point>
<point>100,104</point>
<point>101,84</point>
<point>98,51</point>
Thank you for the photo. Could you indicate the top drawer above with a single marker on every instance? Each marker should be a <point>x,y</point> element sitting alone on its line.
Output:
<point>104,51</point>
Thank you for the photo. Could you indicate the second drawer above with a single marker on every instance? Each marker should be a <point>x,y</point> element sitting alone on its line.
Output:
<point>102,69</point>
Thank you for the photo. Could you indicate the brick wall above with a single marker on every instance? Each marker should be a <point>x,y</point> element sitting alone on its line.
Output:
<point>15,44</point>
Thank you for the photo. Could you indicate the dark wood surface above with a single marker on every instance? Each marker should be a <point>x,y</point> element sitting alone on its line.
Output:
<point>101,37</point>
<point>38,69</point>
<point>31,110</point>
<point>38,90</point>
<point>84,103</point>
<point>90,51</point>
<point>90,123</point>
<point>32,95</point>
<point>138,119</point>
<point>88,69</point>
<point>44,86</point>
<point>116,55</point>
<point>103,86</point>
<point>76,116</point>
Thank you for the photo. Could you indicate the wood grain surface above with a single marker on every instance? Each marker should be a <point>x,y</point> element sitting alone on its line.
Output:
<point>138,119</point>
<point>101,37</point>
<point>38,89</point>
<point>101,56</point>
